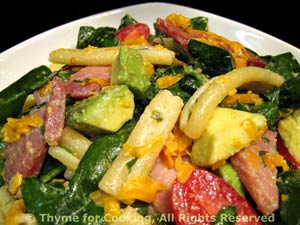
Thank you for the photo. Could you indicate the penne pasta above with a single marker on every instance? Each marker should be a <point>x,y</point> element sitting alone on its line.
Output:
<point>150,135</point>
<point>66,158</point>
<point>92,56</point>
<point>201,105</point>
<point>75,141</point>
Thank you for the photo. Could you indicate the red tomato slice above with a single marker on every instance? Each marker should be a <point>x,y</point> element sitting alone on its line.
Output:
<point>203,195</point>
<point>282,149</point>
<point>133,31</point>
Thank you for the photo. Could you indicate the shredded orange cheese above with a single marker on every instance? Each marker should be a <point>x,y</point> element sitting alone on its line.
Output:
<point>136,41</point>
<point>177,144</point>
<point>250,128</point>
<point>284,197</point>
<point>15,211</point>
<point>142,188</point>
<point>142,150</point>
<point>253,157</point>
<point>15,183</point>
<point>179,20</point>
<point>273,160</point>
<point>183,169</point>
<point>148,67</point>
<point>15,128</point>
<point>218,164</point>
<point>45,90</point>
<point>168,81</point>
<point>110,204</point>
<point>248,98</point>
<point>100,81</point>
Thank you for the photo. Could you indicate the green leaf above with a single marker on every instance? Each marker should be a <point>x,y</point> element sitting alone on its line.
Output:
<point>289,186</point>
<point>98,37</point>
<point>199,23</point>
<point>270,110</point>
<point>289,209</point>
<point>126,20</point>
<point>13,97</point>
<point>211,59</point>
<point>44,200</point>
<point>284,64</point>
<point>226,216</point>
<point>289,182</point>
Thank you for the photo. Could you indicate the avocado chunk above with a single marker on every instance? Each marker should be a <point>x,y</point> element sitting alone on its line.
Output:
<point>289,130</point>
<point>105,112</point>
<point>228,173</point>
<point>227,132</point>
<point>128,68</point>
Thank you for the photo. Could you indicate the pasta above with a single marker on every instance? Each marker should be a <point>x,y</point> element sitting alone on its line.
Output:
<point>147,130</point>
<point>201,105</point>
<point>92,56</point>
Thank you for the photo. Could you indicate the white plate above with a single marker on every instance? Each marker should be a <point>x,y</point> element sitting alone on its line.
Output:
<point>33,52</point>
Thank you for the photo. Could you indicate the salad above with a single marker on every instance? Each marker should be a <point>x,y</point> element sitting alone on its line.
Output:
<point>181,126</point>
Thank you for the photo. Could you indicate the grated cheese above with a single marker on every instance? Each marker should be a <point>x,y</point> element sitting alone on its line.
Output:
<point>15,128</point>
<point>168,81</point>
<point>142,188</point>
<point>110,204</point>
<point>142,150</point>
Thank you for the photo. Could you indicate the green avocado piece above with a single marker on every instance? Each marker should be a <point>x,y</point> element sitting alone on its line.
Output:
<point>128,68</point>
<point>228,173</point>
<point>104,112</point>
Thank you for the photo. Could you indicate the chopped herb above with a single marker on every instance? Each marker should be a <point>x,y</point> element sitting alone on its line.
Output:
<point>157,116</point>
<point>130,164</point>
<point>226,216</point>
<point>265,139</point>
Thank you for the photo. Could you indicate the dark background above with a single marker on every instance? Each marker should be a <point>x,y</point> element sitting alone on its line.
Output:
<point>21,20</point>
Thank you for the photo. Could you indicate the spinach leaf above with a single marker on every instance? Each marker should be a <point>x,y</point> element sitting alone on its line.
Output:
<point>98,37</point>
<point>153,89</point>
<point>51,168</point>
<point>289,186</point>
<point>126,20</point>
<point>13,97</point>
<point>288,94</point>
<point>284,64</point>
<point>73,203</point>
<point>268,109</point>
<point>211,59</point>
<point>289,182</point>
<point>226,216</point>
<point>184,88</point>
<point>199,23</point>
<point>192,80</point>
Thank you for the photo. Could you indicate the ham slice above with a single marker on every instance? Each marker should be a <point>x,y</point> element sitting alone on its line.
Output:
<point>55,113</point>
<point>160,172</point>
<point>27,155</point>
<point>75,88</point>
<point>257,178</point>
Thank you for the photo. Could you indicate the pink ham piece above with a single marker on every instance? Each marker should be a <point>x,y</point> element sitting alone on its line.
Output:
<point>27,155</point>
<point>75,88</point>
<point>55,113</point>
<point>160,172</point>
<point>173,31</point>
<point>258,179</point>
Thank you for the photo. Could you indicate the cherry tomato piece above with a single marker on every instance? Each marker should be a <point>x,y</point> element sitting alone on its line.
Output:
<point>133,31</point>
<point>199,200</point>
